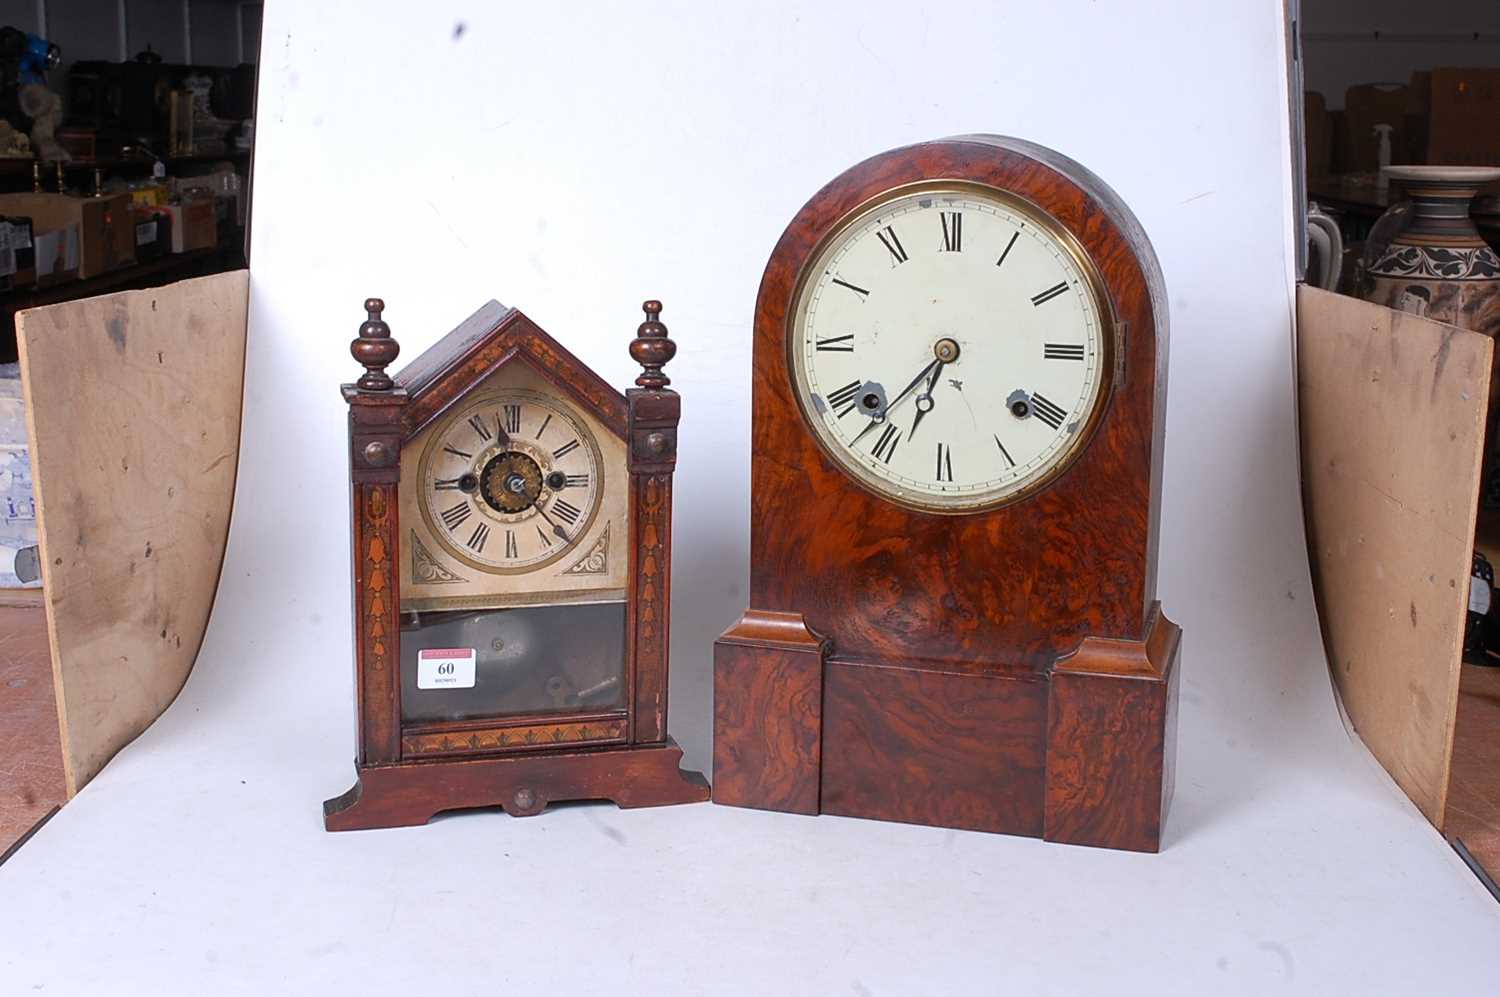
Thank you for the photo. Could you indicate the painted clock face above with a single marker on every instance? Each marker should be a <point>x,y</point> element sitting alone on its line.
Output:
<point>510,481</point>
<point>949,348</point>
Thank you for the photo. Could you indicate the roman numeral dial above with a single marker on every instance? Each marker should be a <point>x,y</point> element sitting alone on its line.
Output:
<point>892,243</point>
<point>953,230</point>
<point>948,347</point>
<point>512,481</point>
<point>1042,297</point>
<point>885,447</point>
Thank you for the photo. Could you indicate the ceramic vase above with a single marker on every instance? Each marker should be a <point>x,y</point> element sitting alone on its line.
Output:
<point>1437,265</point>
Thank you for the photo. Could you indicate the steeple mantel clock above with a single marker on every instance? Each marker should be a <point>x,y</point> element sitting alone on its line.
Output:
<point>957,422</point>
<point>512,556</point>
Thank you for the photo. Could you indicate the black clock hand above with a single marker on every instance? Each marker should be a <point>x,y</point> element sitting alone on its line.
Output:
<point>899,398</point>
<point>562,535</point>
<point>925,396</point>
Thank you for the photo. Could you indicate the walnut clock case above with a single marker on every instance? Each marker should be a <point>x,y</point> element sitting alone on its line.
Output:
<point>959,384</point>
<point>512,552</point>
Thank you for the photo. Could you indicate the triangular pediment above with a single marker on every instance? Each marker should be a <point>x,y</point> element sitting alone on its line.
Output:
<point>490,339</point>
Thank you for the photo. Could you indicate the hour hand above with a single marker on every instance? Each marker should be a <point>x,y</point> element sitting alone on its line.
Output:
<point>899,398</point>
<point>935,363</point>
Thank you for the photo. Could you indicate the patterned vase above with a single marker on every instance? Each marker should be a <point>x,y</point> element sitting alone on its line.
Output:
<point>1438,265</point>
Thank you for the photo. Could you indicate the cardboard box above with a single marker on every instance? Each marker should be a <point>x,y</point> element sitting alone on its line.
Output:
<point>106,226</point>
<point>195,224</point>
<point>1463,126</point>
<point>153,232</point>
<point>17,499</point>
<point>56,256</point>
<point>17,254</point>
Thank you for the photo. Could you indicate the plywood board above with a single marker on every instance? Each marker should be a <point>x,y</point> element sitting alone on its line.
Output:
<point>1392,411</point>
<point>133,409</point>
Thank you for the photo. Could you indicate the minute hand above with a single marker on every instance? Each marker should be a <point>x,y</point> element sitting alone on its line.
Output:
<point>900,398</point>
<point>555,528</point>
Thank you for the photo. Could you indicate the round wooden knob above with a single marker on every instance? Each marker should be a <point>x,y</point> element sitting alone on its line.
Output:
<point>378,453</point>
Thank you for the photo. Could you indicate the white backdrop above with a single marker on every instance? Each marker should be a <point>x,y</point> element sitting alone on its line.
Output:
<point>573,161</point>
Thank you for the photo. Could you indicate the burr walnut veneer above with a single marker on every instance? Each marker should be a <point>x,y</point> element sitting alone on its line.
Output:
<point>1005,668</point>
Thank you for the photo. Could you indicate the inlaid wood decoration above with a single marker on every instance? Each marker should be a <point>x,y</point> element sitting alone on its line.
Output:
<point>512,553</point>
<point>959,385</point>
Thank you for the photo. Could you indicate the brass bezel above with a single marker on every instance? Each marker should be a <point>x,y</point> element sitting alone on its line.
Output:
<point>438,429</point>
<point>1046,223</point>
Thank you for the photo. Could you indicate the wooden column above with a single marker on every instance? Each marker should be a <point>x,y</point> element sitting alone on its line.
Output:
<point>652,457</point>
<point>375,406</point>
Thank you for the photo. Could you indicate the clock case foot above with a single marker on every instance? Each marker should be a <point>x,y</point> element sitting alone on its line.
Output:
<point>412,793</point>
<point>1081,752</point>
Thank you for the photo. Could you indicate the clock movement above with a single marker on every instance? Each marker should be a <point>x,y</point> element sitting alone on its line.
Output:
<point>959,384</point>
<point>512,555</point>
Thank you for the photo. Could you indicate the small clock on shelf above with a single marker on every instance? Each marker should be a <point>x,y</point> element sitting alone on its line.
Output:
<point>959,383</point>
<point>512,552</point>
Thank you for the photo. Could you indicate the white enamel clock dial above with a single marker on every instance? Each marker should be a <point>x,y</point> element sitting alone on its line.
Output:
<point>510,481</point>
<point>949,348</point>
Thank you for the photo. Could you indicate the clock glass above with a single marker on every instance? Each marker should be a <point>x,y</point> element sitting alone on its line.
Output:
<point>513,560</point>
<point>950,347</point>
<point>510,481</point>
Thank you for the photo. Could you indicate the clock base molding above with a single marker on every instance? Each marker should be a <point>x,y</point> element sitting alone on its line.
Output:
<point>1081,753</point>
<point>409,794</point>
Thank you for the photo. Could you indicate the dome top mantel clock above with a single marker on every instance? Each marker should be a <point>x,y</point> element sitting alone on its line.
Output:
<point>512,554</point>
<point>959,383</point>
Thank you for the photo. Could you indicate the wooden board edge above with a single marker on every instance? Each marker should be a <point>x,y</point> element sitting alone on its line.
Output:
<point>70,779</point>
<point>1461,604</point>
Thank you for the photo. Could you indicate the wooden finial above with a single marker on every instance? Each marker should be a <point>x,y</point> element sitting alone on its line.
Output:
<point>375,348</point>
<point>652,349</point>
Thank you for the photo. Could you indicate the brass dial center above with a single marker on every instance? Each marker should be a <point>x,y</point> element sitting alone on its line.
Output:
<point>510,482</point>
<point>946,350</point>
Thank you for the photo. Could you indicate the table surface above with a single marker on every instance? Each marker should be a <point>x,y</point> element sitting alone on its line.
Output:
<point>32,783</point>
